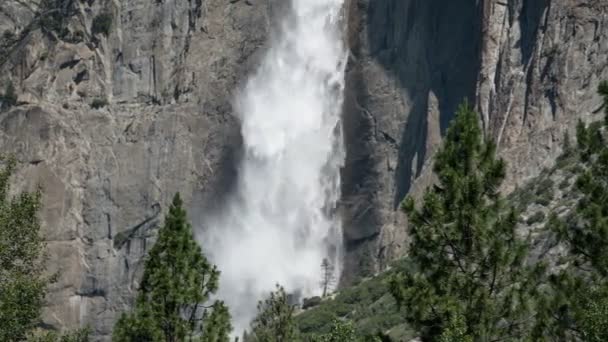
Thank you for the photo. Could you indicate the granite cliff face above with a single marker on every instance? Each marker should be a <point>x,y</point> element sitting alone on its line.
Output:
<point>168,70</point>
<point>531,67</point>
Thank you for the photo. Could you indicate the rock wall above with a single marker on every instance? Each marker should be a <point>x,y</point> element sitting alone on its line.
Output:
<point>168,69</point>
<point>531,67</point>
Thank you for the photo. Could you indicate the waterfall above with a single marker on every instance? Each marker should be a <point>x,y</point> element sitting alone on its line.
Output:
<point>282,221</point>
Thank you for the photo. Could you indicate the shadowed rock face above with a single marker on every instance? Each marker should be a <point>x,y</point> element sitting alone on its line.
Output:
<point>413,62</point>
<point>169,70</point>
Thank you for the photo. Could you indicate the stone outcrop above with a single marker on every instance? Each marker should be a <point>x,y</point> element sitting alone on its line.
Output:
<point>168,70</point>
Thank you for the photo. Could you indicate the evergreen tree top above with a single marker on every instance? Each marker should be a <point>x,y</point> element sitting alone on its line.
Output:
<point>178,282</point>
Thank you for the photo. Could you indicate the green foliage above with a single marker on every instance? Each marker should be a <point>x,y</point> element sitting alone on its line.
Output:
<point>275,320</point>
<point>340,332</point>
<point>588,241</point>
<point>327,276</point>
<point>102,24</point>
<point>456,331</point>
<point>99,103</point>
<point>81,335</point>
<point>177,282</point>
<point>538,217</point>
<point>545,192</point>
<point>594,318</point>
<point>9,99</point>
<point>564,184</point>
<point>7,39</point>
<point>54,16</point>
<point>589,139</point>
<point>367,305</point>
<point>465,253</point>
<point>22,283</point>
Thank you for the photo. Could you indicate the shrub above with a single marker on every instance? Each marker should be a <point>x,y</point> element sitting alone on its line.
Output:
<point>539,216</point>
<point>311,302</point>
<point>99,103</point>
<point>54,16</point>
<point>7,39</point>
<point>9,98</point>
<point>102,24</point>
<point>544,201</point>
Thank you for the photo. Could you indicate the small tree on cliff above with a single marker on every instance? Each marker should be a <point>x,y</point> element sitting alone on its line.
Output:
<point>177,283</point>
<point>466,262</point>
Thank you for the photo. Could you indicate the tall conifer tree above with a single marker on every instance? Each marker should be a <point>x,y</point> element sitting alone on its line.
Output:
<point>177,284</point>
<point>466,260</point>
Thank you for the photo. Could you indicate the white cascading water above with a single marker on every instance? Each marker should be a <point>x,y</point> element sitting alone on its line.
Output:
<point>282,221</point>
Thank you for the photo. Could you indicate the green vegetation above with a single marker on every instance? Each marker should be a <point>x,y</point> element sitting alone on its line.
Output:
<point>456,331</point>
<point>9,99</point>
<point>7,39</point>
<point>368,305</point>
<point>340,332</point>
<point>593,315</point>
<point>102,24</point>
<point>466,256</point>
<point>177,283</point>
<point>22,283</point>
<point>54,16</point>
<point>81,335</point>
<point>538,217</point>
<point>581,315</point>
<point>274,322</point>
<point>99,103</point>
<point>464,244</point>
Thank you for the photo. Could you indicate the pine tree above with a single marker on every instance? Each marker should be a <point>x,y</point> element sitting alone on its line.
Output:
<point>22,283</point>
<point>177,283</point>
<point>275,321</point>
<point>465,256</point>
<point>327,276</point>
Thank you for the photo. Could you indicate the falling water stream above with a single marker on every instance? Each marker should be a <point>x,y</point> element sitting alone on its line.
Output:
<point>282,221</point>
